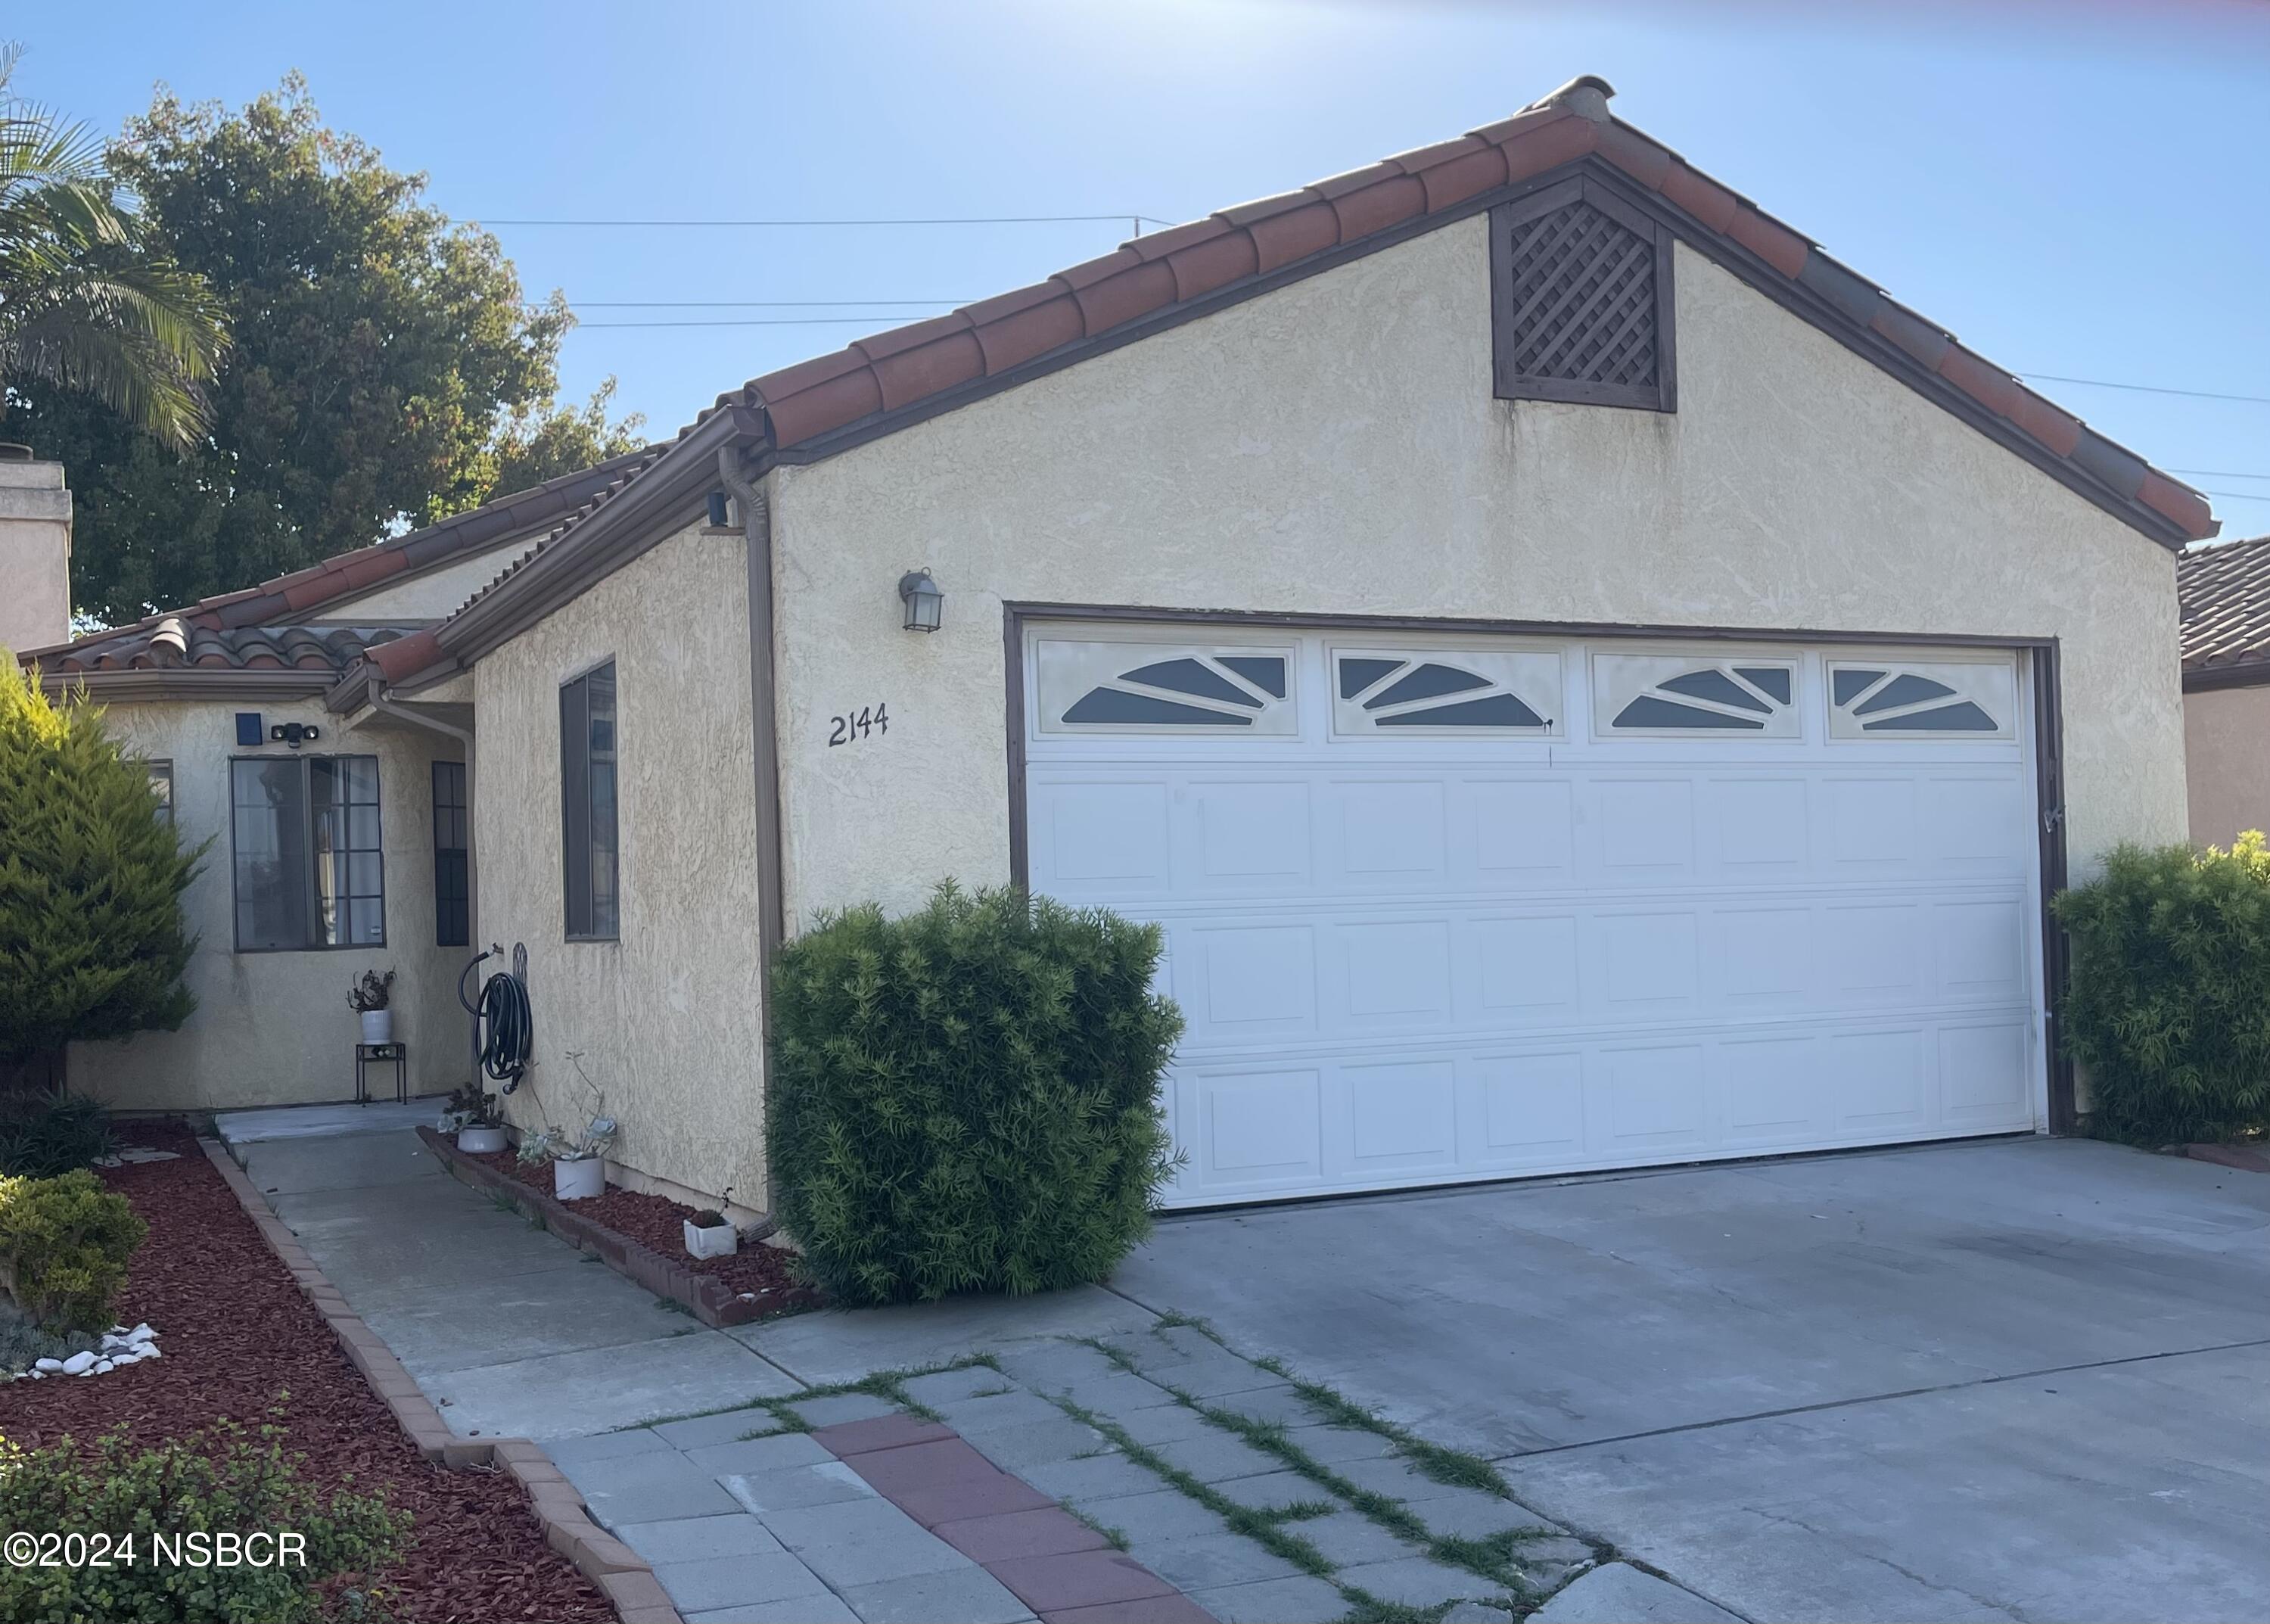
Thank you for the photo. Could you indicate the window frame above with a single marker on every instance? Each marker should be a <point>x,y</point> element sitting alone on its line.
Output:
<point>575,820</point>
<point>1507,383</point>
<point>463,870</point>
<point>304,761</point>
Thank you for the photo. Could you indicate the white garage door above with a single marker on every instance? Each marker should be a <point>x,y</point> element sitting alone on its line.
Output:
<point>1442,907</point>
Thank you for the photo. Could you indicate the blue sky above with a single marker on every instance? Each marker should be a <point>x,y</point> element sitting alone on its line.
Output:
<point>2072,189</point>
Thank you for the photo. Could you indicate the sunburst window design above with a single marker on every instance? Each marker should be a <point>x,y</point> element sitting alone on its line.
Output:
<point>1674,694</point>
<point>1897,699</point>
<point>1498,691</point>
<point>1160,689</point>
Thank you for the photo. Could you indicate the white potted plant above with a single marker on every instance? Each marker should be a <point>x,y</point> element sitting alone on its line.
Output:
<point>578,1158</point>
<point>474,1118</point>
<point>710,1234</point>
<point>369,997</point>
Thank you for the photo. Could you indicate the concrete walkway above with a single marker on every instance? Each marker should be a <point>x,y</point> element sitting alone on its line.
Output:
<point>1193,1483</point>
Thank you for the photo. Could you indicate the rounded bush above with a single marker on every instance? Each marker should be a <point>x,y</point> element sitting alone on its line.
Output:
<point>967,1098</point>
<point>2168,999</point>
<point>65,1243</point>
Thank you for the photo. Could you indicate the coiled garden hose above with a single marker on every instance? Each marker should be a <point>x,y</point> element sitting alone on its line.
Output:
<point>504,1028</point>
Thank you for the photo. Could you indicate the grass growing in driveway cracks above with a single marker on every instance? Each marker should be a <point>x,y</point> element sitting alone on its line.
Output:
<point>888,1385</point>
<point>1490,1558</point>
<point>1456,1468</point>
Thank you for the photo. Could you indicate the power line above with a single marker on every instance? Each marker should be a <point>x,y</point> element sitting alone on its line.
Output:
<point>1140,220</point>
<point>2216,473</point>
<point>747,304</point>
<point>2240,496</point>
<point>2146,388</point>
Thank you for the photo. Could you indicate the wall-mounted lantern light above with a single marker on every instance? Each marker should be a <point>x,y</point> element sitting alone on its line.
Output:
<point>924,600</point>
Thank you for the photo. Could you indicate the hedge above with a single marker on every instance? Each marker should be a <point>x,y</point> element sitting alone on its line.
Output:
<point>967,1098</point>
<point>2168,1000</point>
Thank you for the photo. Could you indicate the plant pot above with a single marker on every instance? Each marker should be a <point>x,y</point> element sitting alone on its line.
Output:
<point>378,1025</point>
<point>579,1180</point>
<point>481,1141</point>
<point>717,1241</point>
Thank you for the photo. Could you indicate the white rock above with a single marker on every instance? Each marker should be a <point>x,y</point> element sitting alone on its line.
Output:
<point>149,1350</point>
<point>47,1364</point>
<point>78,1364</point>
<point>140,1333</point>
<point>104,1367</point>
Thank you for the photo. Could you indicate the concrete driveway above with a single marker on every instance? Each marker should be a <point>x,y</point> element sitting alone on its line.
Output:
<point>2020,1379</point>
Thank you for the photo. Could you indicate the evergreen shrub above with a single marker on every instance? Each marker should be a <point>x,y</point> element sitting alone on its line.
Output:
<point>967,1098</point>
<point>92,943</point>
<point>65,1243</point>
<point>2168,1000</point>
<point>202,1484</point>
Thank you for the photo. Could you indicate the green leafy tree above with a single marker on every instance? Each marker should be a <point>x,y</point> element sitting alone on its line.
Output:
<point>385,368</point>
<point>91,941</point>
<point>85,303</point>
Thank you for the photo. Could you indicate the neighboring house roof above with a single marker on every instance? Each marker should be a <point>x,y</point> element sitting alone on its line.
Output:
<point>897,378</point>
<point>172,638</point>
<point>175,644</point>
<point>2225,594</point>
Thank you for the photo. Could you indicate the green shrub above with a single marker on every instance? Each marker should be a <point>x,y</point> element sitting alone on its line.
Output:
<point>210,1482</point>
<point>2168,1000</point>
<point>92,943</point>
<point>65,1243</point>
<point>965,1099</point>
<point>42,1134</point>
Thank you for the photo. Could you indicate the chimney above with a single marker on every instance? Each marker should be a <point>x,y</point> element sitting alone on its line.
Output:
<point>35,535</point>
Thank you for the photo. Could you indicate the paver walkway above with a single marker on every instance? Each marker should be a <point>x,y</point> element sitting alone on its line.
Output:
<point>1069,1458</point>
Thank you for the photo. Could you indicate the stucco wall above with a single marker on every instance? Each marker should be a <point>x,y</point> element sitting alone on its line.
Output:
<point>1334,446</point>
<point>274,1028</point>
<point>2227,754</point>
<point>666,1018</point>
<point>433,594</point>
<point>35,543</point>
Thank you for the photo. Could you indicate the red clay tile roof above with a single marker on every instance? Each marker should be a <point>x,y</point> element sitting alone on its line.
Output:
<point>175,644</point>
<point>2225,593</point>
<point>297,597</point>
<point>907,365</point>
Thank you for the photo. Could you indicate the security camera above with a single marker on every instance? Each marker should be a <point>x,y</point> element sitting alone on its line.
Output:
<point>294,733</point>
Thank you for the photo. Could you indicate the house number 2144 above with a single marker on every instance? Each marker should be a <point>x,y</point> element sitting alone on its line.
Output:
<point>852,726</point>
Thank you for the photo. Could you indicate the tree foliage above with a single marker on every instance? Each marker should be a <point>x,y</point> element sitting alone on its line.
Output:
<point>967,1099</point>
<point>2168,999</point>
<point>385,368</point>
<point>91,941</point>
<point>87,302</point>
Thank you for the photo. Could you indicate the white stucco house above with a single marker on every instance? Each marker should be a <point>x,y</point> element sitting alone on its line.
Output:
<point>1584,678</point>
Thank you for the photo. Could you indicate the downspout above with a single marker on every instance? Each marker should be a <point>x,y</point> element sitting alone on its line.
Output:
<point>755,511</point>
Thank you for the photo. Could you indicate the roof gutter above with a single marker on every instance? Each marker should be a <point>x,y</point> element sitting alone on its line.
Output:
<point>634,519</point>
<point>2253,673</point>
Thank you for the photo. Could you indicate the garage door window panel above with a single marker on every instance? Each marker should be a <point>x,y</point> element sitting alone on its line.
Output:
<point>1690,696</point>
<point>1496,692</point>
<point>1897,699</point>
<point>1164,688</point>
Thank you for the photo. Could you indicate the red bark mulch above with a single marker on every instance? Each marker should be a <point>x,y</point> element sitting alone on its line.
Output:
<point>656,1223</point>
<point>238,1341</point>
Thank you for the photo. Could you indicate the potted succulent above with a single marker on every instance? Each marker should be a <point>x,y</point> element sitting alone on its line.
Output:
<point>578,1157</point>
<point>369,997</point>
<point>710,1234</point>
<point>474,1118</point>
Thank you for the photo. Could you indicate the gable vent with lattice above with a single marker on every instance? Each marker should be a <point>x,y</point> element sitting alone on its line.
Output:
<point>1581,300</point>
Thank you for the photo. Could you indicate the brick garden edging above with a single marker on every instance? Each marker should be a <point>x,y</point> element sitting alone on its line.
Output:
<point>708,1298</point>
<point>622,1575</point>
<point>2244,1157</point>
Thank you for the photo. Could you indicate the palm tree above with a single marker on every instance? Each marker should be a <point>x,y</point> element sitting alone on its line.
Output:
<point>85,301</point>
